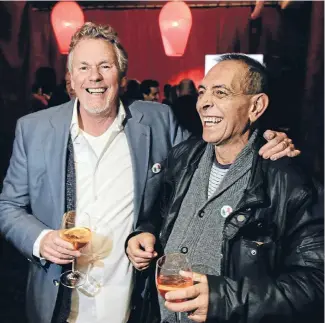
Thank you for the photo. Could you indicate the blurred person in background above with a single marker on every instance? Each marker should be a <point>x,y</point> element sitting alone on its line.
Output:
<point>167,95</point>
<point>132,92</point>
<point>150,90</point>
<point>184,107</point>
<point>42,89</point>
<point>63,92</point>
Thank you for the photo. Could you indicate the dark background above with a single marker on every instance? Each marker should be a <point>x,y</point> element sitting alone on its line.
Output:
<point>292,41</point>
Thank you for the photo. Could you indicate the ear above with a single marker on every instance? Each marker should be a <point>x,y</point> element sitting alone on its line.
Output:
<point>258,106</point>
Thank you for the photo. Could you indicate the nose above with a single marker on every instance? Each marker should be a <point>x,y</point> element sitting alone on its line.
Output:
<point>95,75</point>
<point>204,102</point>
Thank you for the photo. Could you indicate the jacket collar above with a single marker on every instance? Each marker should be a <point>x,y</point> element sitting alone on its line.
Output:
<point>255,192</point>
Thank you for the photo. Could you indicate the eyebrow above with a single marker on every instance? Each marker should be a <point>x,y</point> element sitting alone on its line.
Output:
<point>100,63</point>
<point>221,86</point>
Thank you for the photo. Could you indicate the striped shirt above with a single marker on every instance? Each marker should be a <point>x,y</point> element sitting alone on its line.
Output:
<point>218,171</point>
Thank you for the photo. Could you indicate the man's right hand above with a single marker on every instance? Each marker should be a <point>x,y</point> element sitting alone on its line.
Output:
<point>55,249</point>
<point>140,250</point>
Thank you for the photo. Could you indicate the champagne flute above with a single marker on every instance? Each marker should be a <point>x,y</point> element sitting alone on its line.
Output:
<point>168,276</point>
<point>79,237</point>
<point>93,255</point>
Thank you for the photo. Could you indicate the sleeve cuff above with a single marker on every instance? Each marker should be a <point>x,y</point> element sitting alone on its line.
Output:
<point>36,247</point>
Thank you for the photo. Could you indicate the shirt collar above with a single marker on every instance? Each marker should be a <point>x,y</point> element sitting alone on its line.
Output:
<point>74,126</point>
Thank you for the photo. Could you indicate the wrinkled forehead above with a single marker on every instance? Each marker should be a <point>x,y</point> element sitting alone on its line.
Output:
<point>230,74</point>
<point>90,50</point>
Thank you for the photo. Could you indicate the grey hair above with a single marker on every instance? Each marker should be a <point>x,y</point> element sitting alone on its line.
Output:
<point>256,79</point>
<point>91,30</point>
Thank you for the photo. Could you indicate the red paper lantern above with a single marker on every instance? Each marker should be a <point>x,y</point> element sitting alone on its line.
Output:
<point>66,18</point>
<point>175,22</point>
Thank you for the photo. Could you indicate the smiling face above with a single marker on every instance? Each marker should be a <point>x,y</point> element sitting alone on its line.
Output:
<point>153,95</point>
<point>223,107</point>
<point>95,76</point>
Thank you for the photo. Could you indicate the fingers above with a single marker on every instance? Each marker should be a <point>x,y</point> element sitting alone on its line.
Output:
<point>294,153</point>
<point>273,139</point>
<point>142,241</point>
<point>186,306</point>
<point>148,243</point>
<point>56,250</point>
<point>278,145</point>
<point>269,134</point>
<point>284,148</point>
<point>194,299</point>
<point>141,258</point>
<point>138,263</point>
<point>196,318</point>
<point>195,276</point>
<point>57,258</point>
<point>183,293</point>
<point>290,151</point>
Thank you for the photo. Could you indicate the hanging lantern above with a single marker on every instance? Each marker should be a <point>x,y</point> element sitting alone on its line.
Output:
<point>175,22</point>
<point>66,18</point>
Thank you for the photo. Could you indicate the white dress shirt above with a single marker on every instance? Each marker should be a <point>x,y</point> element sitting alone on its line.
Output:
<point>104,194</point>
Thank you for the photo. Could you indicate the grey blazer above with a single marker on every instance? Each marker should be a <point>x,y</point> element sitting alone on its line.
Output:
<point>33,196</point>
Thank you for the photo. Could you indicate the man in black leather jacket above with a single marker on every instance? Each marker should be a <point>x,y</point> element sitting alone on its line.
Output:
<point>252,229</point>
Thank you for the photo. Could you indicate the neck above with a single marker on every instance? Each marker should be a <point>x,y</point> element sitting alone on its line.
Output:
<point>228,152</point>
<point>96,124</point>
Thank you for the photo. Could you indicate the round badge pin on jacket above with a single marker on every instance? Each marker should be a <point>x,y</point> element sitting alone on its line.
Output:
<point>225,210</point>
<point>156,168</point>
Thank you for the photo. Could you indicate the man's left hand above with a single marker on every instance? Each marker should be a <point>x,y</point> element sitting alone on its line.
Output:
<point>196,298</point>
<point>278,145</point>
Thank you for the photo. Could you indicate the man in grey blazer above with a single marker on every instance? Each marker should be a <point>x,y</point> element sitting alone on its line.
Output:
<point>86,155</point>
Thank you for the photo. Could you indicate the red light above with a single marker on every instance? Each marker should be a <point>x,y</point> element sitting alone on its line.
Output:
<point>66,18</point>
<point>175,22</point>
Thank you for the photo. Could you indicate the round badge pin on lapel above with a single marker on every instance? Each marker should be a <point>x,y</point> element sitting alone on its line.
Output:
<point>156,168</point>
<point>225,210</point>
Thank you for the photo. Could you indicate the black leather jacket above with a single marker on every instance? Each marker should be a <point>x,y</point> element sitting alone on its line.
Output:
<point>272,265</point>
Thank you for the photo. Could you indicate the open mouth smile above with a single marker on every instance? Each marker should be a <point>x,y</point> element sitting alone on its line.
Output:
<point>211,121</point>
<point>96,91</point>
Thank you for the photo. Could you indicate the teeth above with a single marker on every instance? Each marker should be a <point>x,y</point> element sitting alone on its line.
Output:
<point>213,120</point>
<point>96,90</point>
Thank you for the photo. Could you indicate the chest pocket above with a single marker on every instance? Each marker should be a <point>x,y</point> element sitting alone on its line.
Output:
<point>252,258</point>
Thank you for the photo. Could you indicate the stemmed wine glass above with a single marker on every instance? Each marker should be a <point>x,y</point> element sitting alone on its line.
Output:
<point>168,276</point>
<point>93,255</point>
<point>79,237</point>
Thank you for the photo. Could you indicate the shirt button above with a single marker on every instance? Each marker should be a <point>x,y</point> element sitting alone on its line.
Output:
<point>221,255</point>
<point>253,252</point>
<point>184,250</point>
<point>240,218</point>
<point>55,282</point>
<point>201,214</point>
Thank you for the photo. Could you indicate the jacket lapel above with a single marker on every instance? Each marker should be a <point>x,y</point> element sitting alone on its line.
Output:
<point>55,151</point>
<point>138,137</point>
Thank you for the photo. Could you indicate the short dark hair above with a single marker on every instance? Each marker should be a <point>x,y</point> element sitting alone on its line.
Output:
<point>45,78</point>
<point>167,89</point>
<point>256,79</point>
<point>146,85</point>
